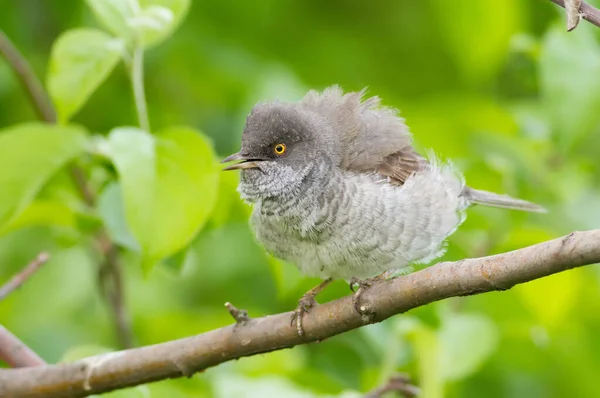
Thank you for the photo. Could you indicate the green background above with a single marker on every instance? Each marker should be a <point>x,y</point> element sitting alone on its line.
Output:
<point>500,87</point>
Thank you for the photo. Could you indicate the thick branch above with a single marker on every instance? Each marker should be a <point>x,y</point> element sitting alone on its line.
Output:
<point>185,356</point>
<point>588,12</point>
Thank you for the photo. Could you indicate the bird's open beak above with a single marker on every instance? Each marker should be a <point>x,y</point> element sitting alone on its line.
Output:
<point>245,162</point>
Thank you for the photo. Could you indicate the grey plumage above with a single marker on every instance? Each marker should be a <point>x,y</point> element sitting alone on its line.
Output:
<point>349,196</point>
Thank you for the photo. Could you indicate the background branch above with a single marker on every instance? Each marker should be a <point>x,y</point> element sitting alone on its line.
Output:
<point>110,278</point>
<point>588,12</point>
<point>186,356</point>
<point>33,87</point>
<point>22,276</point>
<point>12,350</point>
<point>15,353</point>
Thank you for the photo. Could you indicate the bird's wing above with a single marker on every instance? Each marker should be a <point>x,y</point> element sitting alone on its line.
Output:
<point>400,165</point>
<point>373,137</point>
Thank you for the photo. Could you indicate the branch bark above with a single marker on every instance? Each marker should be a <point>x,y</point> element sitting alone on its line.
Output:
<point>186,356</point>
<point>588,12</point>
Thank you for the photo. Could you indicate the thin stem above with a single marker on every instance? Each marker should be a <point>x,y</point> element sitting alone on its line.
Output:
<point>34,89</point>
<point>15,353</point>
<point>110,279</point>
<point>20,278</point>
<point>137,80</point>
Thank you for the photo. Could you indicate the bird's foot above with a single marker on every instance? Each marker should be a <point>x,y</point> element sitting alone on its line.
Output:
<point>363,284</point>
<point>306,302</point>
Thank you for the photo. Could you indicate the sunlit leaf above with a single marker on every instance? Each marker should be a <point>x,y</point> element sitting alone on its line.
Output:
<point>110,206</point>
<point>114,14</point>
<point>159,19</point>
<point>80,61</point>
<point>477,33</point>
<point>560,293</point>
<point>228,197</point>
<point>84,351</point>
<point>286,275</point>
<point>569,67</point>
<point>43,212</point>
<point>146,21</point>
<point>427,348</point>
<point>169,185</point>
<point>466,341</point>
<point>232,385</point>
<point>29,155</point>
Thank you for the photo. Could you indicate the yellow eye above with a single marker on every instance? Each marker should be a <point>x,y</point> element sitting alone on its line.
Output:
<point>279,149</point>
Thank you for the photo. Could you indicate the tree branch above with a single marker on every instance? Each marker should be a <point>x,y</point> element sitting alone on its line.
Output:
<point>22,276</point>
<point>12,350</point>
<point>186,356</point>
<point>32,85</point>
<point>15,353</point>
<point>587,12</point>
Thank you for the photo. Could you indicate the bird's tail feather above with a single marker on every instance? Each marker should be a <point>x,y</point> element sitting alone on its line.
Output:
<point>496,200</point>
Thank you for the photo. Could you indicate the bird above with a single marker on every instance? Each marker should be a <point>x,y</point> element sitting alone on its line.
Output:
<point>338,189</point>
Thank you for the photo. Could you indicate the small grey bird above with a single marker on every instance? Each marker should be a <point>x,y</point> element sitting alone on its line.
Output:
<point>338,189</point>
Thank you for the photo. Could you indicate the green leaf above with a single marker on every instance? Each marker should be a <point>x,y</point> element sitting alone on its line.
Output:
<point>228,197</point>
<point>159,19</point>
<point>80,61</point>
<point>286,275</point>
<point>115,14</point>
<point>477,33</point>
<point>149,21</point>
<point>560,293</point>
<point>427,348</point>
<point>169,185</point>
<point>112,211</point>
<point>83,351</point>
<point>569,67</point>
<point>465,342</point>
<point>29,155</point>
<point>42,212</point>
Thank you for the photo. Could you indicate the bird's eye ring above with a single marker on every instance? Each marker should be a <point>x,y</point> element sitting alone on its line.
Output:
<point>279,149</point>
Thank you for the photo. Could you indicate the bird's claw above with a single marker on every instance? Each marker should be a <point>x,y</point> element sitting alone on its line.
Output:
<point>305,303</point>
<point>362,286</point>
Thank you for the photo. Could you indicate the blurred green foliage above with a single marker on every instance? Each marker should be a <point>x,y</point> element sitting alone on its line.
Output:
<point>498,86</point>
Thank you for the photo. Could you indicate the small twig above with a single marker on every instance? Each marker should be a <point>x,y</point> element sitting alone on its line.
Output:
<point>586,11</point>
<point>33,87</point>
<point>20,278</point>
<point>399,383</point>
<point>111,284</point>
<point>15,353</point>
<point>240,316</point>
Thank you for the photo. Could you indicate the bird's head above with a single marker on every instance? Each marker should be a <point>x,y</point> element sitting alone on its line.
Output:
<point>284,148</point>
